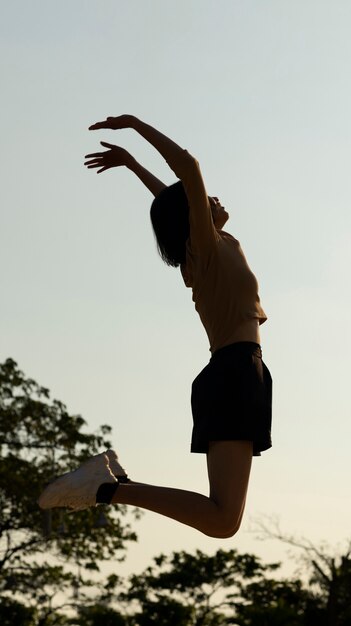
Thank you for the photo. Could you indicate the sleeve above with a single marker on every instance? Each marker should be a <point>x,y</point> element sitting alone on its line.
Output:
<point>203,235</point>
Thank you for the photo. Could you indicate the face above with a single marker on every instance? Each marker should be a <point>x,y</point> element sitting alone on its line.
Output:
<point>219,214</point>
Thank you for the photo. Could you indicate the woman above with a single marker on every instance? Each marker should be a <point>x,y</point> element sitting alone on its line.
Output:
<point>231,397</point>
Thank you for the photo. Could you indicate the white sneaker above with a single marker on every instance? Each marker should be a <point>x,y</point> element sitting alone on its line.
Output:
<point>116,469</point>
<point>77,490</point>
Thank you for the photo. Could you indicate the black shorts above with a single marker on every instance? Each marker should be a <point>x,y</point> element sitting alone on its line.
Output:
<point>231,399</point>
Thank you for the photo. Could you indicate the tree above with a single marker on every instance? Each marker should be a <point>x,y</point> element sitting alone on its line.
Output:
<point>185,589</point>
<point>226,588</point>
<point>97,614</point>
<point>329,575</point>
<point>13,612</point>
<point>47,559</point>
<point>269,602</point>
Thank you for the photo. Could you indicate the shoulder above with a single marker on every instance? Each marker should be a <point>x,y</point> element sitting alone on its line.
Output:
<point>224,236</point>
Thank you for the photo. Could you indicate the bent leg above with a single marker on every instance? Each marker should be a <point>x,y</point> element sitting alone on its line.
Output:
<point>229,467</point>
<point>219,515</point>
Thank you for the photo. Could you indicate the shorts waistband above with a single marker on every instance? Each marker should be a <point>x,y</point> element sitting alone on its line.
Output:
<point>239,347</point>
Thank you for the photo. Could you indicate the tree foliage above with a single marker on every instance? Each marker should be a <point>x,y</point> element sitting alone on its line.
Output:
<point>46,556</point>
<point>231,588</point>
<point>197,589</point>
<point>328,574</point>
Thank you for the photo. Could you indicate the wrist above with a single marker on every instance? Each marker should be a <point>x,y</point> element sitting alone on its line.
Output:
<point>131,163</point>
<point>135,123</point>
<point>122,121</point>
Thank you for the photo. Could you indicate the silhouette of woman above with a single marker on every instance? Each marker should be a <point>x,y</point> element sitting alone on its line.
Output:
<point>231,398</point>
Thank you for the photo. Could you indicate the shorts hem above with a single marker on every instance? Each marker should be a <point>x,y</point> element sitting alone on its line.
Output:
<point>203,448</point>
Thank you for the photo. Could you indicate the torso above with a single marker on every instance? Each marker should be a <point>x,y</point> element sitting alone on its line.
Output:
<point>225,294</point>
<point>247,331</point>
<point>224,289</point>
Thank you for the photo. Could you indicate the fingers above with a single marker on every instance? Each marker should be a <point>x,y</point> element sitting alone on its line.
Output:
<point>99,125</point>
<point>94,154</point>
<point>96,163</point>
<point>108,123</point>
<point>107,145</point>
<point>100,154</point>
<point>104,160</point>
<point>114,123</point>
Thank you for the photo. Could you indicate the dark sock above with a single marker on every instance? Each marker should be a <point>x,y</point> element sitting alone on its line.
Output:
<point>123,479</point>
<point>105,493</point>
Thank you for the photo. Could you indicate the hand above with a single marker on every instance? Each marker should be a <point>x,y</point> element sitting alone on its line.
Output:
<point>115,123</point>
<point>113,157</point>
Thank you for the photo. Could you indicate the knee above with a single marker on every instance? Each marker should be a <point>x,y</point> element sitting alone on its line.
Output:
<point>224,528</point>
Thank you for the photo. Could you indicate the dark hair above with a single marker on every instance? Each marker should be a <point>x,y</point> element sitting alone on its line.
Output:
<point>170,220</point>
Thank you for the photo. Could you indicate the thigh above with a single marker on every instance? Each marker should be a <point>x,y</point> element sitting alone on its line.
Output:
<point>229,466</point>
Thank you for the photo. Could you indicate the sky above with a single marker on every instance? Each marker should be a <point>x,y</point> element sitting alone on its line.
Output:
<point>260,92</point>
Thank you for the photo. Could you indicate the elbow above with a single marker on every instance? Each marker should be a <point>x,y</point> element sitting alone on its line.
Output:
<point>190,164</point>
<point>184,165</point>
<point>190,159</point>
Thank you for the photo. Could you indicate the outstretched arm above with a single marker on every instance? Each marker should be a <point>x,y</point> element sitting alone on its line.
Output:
<point>150,181</point>
<point>177,158</point>
<point>185,167</point>
<point>116,157</point>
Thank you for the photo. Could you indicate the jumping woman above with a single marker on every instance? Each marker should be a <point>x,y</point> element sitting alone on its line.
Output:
<point>231,397</point>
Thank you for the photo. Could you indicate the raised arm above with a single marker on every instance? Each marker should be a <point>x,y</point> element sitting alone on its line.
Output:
<point>116,156</point>
<point>150,181</point>
<point>177,158</point>
<point>185,167</point>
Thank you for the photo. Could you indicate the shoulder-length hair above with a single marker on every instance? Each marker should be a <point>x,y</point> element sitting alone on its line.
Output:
<point>170,221</point>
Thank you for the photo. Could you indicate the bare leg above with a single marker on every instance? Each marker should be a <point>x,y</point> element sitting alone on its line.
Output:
<point>220,514</point>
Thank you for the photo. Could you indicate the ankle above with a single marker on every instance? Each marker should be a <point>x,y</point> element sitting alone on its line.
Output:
<point>106,492</point>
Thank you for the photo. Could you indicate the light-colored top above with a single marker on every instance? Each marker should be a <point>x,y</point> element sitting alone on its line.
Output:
<point>225,291</point>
